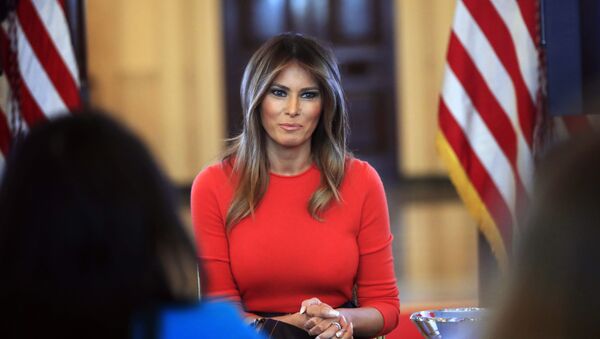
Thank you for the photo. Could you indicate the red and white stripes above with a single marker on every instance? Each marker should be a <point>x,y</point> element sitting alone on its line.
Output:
<point>45,80</point>
<point>488,112</point>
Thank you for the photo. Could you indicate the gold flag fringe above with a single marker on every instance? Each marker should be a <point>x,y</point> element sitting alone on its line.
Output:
<point>473,201</point>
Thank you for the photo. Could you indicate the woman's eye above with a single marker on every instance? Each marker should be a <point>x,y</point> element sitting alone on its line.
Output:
<point>310,95</point>
<point>278,92</point>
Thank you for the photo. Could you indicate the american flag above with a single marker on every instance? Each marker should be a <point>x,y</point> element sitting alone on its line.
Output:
<point>491,124</point>
<point>489,112</point>
<point>40,77</point>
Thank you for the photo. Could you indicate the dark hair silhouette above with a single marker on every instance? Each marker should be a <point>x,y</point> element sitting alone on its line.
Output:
<point>554,292</point>
<point>89,232</point>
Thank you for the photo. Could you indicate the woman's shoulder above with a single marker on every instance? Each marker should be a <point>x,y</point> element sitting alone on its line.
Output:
<point>214,172</point>
<point>356,168</point>
<point>215,180</point>
<point>360,176</point>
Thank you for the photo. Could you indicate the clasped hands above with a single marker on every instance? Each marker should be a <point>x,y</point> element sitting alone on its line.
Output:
<point>324,321</point>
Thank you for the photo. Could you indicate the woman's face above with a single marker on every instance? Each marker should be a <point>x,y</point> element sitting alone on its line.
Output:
<point>291,108</point>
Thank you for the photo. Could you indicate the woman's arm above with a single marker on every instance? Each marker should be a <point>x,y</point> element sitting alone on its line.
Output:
<point>377,290</point>
<point>367,321</point>
<point>216,278</point>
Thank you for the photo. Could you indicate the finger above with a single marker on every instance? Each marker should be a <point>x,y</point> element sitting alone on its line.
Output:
<point>346,335</point>
<point>325,329</point>
<point>312,322</point>
<point>320,327</point>
<point>345,331</point>
<point>329,332</point>
<point>308,302</point>
<point>343,335</point>
<point>322,310</point>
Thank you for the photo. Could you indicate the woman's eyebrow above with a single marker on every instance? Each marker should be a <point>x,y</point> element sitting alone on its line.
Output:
<point>314,88</point>
<point>280,86</point>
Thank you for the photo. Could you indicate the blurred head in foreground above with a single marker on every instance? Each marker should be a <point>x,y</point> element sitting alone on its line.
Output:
<point>554,290</point>
<point>88,232</point>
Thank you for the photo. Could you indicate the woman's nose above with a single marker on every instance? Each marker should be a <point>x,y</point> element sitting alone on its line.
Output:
<point>293,106</point>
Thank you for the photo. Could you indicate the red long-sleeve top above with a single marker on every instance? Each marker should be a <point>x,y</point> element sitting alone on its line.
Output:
<point>281,256</point>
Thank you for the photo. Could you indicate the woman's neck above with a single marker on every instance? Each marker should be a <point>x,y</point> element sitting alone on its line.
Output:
<point>289,161</point>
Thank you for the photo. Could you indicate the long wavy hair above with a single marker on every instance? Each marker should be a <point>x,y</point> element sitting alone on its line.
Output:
<point>247,152</point>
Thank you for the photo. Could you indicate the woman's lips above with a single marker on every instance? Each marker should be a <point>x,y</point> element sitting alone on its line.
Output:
<point>290,127</point>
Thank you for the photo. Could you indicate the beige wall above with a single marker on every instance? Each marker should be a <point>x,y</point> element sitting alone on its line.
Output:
<point>159,66</point>
<point>422,33</point>
<point>439,260</point>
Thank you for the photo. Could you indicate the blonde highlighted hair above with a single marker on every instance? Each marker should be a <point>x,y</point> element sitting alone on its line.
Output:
<point>247,152</point>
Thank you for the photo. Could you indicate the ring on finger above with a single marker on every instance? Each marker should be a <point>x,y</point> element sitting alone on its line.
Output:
<point>335,323</point>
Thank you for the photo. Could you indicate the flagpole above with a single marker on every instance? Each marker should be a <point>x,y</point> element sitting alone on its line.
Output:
<point>75,12</point>
<point>489,272</point>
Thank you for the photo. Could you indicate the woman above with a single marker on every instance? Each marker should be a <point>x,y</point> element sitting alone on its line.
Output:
<point>90,237</point>
<point>289,222</point>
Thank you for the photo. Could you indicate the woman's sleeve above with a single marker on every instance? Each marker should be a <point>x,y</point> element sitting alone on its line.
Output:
<point>211,237</point>
<point>376,281</point>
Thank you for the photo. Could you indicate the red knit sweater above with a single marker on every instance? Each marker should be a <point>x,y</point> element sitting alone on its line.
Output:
<point>281,256</point>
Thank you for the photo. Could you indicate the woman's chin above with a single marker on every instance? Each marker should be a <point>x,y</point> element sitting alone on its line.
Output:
<point>290,143</point>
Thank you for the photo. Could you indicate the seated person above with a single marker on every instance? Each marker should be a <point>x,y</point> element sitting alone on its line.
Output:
<point>554,290</point>
<point>292,226</point>
<point>90,238</point>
